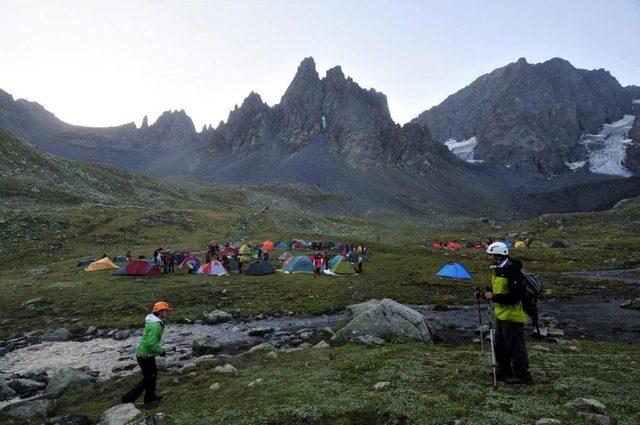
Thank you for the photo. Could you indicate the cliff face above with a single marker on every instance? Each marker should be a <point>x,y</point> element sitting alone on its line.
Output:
<point>354,123</point>
<point>531,116</point>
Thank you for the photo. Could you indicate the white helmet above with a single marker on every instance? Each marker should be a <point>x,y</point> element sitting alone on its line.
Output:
<point>498,248</point>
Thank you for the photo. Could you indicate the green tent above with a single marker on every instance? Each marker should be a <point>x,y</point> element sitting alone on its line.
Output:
<point>343,268</point>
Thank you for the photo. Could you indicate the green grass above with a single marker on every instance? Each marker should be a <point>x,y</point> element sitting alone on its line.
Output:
<point>429,385</point>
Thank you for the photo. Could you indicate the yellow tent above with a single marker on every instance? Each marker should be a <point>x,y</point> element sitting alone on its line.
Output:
<point>104,264</point>
<point>519,245</point>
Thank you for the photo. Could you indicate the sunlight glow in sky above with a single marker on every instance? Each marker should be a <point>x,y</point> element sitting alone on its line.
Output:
<point>112,62</point>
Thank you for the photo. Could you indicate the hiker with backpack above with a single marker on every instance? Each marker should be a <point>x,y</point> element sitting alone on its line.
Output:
<point>146,354</point>
<point>508,294</point>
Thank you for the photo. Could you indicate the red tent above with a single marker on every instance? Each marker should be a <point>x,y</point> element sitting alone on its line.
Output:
<point>453,246</point>
<point>139,268</point>
<point>436,245</point>
<point>267,246</point>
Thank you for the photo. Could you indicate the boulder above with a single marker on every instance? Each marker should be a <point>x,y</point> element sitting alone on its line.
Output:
<point>547,421</point>
<point>31,409</point>
<point>207,344</point>
<point>354,310</point>
<point>588,405</point>
<point>226,369</point>
<point>632,304</point>
<point>156,419</point>
<point>209,360</point>
<point>271,355</point>
<point>261,331</point>
<point>34,301</point>
<point>119,414</point>
<point>215,387</point>
<point>383,319</point>
<point>26,387</point>
<point>216,316</point>
<point>37,271</point>
<point>122,334</point>
<point>69,420</point>
<point>66,379</point>
<point>6,392</point>
<point>383,385</point>
<point>256,382</point>
<point>265,346</point>
<point>61,334</point>
<point>321,345</point>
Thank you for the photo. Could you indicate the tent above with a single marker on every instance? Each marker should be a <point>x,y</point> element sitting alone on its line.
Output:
<point>285,256</point>
<point>85,263</point>
<point>558,244</point>
<point>478,245</point>
<point>436,245</point>
<point>178,257</point>
<point>507,243</point>
<point>454,270</point>
<point>259,268</point>
<point>519,245</point>
<point>139,268</point>
<point>104,264</point>
<point>267,246</point>
<point>353,257</point>
<point>214,268</point>
<point>335,260</point>
<point>281,245</point>
<point>453,246</point>
<point>296,244</point>
<point>228,250</point>
<point>190,263</point>
<point>343,267</point>
<point>299,264</point>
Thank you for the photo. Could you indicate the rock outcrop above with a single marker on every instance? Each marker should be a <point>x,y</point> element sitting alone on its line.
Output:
<point>531,116</point>
<point>379,320</point>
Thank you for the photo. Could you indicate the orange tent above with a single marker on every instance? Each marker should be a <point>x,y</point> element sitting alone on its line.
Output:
<point>267,246</point>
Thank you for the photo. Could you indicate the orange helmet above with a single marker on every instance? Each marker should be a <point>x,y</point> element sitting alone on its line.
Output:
<point>161,306</point>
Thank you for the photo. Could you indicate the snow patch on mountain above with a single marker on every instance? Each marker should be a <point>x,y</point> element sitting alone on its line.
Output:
<point>607,150</point>
<point>575,166</point>
<point>464,149</point>
<point>636,101</point>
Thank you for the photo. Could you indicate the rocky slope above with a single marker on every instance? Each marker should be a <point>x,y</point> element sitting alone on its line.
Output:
<point>28,175</point>
<point>531,116</point>
<point>354,123</point>
<point>633,151</point>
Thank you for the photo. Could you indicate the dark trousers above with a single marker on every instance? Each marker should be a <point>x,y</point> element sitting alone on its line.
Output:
<point>147,384</point>
<point>511,350</point>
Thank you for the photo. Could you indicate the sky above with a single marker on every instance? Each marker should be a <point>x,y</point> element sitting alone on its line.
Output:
<point>102,63</point>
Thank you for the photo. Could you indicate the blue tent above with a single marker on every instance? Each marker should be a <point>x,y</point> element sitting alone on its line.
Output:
<point>507,243</point>
<point>299,264</point>
<point>335,260</point>
<point>281,245</point>
<point>454,270</point>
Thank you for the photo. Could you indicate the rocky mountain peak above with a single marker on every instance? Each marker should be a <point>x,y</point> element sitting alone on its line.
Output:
<point>145,123</point>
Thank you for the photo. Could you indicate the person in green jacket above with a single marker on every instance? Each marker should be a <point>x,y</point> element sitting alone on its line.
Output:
<point>507,293</point>
<point>146,354</point>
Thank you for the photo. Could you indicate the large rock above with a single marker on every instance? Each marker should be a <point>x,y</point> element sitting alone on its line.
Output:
<point>6,392</point>
<point>632,304</point>
<point>31,409</point>
<point>34,301</point>
<point>61,334</point>
<point>354,310</point>
<point>207,344</point>
<point>119,414</point>
<point>588,405</point>
<point>216,316</point>
<point>66,379</point>
<point>26,387</point>
<point>385,319</point>
<point>37,271</point>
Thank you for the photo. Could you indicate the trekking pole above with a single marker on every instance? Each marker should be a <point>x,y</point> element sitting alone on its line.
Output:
<point>478,295</point>
<point>493,350</point>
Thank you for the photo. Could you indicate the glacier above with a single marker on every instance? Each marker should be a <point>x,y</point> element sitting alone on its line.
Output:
<point>607,150</point>
<point>464,149</point>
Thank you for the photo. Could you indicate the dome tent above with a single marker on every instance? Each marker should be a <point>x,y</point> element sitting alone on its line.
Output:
<point>343,267</point>
<point>259,268</point>
<point>455,271</point>
<point>300,264</point>
<point>214,268</point>
<point>139,268</point>
<point>103,264</point>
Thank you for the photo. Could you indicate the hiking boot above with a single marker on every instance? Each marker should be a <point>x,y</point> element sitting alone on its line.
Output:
<point>155,399</point>
<point>515,380</point>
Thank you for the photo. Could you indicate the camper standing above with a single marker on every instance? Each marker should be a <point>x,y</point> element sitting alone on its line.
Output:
<point>507,293</point>
<point>146,354</point>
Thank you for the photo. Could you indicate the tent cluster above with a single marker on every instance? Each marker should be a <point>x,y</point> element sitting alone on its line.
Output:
<point>519,244</point>
<point>222,260</point>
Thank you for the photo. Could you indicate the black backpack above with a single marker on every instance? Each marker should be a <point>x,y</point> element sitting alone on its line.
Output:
<point>532,289</point>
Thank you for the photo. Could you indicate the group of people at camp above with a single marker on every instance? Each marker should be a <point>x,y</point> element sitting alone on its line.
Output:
<point>505,295</point>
